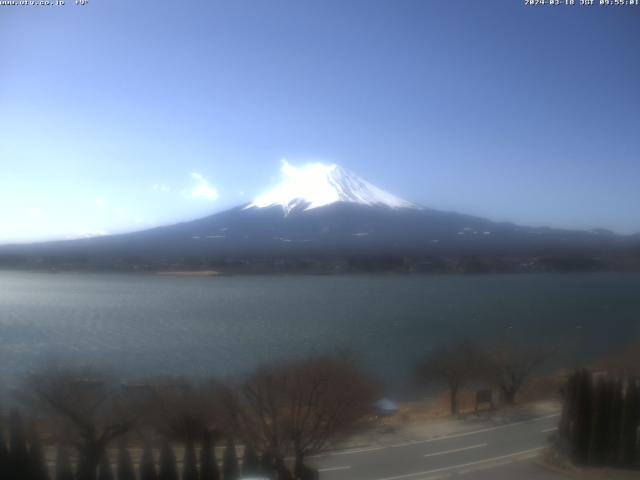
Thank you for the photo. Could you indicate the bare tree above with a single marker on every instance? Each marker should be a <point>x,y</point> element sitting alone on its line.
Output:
<point>301,406</point>
<point>509,365</point>
<point>453,365</point>
<point>85,408</point>
<point>327,399</point>
<point>182,410</point>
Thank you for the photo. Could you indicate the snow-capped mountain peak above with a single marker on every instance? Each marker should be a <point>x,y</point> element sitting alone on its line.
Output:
<point>317,184</point>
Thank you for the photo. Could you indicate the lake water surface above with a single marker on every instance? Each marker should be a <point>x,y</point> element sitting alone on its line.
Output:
<point>146,324</point>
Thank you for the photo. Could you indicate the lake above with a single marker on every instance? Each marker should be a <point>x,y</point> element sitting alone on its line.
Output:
<point>224,326</point>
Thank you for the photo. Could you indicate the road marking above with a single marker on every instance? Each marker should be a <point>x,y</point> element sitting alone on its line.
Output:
<point>334,469</point>
<point>462,465</point>
<point>474,432</point>
<point>349,452</point>
<point>445,452</point>
<point>547,430</point>
<point>430,440</point>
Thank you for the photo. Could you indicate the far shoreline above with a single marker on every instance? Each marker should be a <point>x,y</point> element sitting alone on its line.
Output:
<point>188,273</point>
<point>311,273</point>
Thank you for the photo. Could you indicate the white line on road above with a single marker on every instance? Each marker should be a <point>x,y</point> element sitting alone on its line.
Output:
<point>465,434</point>
<point>462,465</point>
<point>547,430</point>
<point>334,469</point>
<point>455,450</point>
<point>349,452</point>
<point>430,440</point>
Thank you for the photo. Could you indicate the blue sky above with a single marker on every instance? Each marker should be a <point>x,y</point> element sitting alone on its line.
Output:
<point>120,115</point>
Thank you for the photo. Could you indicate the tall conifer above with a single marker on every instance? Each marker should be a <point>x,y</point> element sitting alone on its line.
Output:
<point>230,468</point>
<point>105,472</point>
<point>189,462</point>
<point>208,463</point>
<point>630,423</point>
<point>148,465</point>
<point>63,470</point>
<point>125,470</point>
<point>4,455</point>
<point>19,453</point>
<point>168,464</point>
<point>37,461</point>
<point>250,462</point>
<point>615,422</point>
<point>600,423</point>
<point>581,435</point>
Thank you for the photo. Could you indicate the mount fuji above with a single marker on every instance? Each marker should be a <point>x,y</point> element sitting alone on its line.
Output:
<point>318,185</point>
<point>325,218</point>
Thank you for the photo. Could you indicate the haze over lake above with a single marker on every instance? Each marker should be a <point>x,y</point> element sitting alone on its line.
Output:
<point>223,326</point>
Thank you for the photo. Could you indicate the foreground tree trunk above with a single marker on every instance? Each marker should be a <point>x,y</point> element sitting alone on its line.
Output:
<point>508,396</point>
<point>453,405</point>
<point>88,461</point>
<point>147,466</point>
<point>125,468</point>
<point>208,462</point>
<point>302,471</point>
<point>230,466</point>
<point>282,470</point>
<point>63,465</point>
<point>105,470</point>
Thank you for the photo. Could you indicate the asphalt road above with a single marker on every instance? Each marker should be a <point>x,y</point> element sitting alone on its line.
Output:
<point>488,452</point>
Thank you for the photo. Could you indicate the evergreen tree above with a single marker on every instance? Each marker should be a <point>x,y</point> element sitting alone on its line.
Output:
<point>267,464</point>
<point>600,423</point>
<point>208,462</point>
<point>83,470</point>
<point>230,468</point>
<point>4,455</point>
<point>19,453</point>
<point>189,463</point>
<point>148,465</point>
<point>581,434</point>
<point>250,462</point>
<point>63,465</point>
<point>37,461</point>
<point>568,408</point>
<point>168,465</point>
<point>282,471</point>
<point>125,468</point>
<point>105,472</point>
<point>615,423</point>
<point>630,423</point>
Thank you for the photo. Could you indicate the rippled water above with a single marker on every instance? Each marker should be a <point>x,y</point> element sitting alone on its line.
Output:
<point>145,324</point>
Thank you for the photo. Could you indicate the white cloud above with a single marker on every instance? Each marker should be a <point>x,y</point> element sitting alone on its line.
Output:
<point>100,202</point>
<point>88,234</point>
<point>35,211</point>
<point>202,189</point>
<point>161,187</point>
<point>300,182</point>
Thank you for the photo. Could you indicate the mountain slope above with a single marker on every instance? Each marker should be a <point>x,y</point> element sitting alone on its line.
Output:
<point>326,212</point>
<point>340,228</point>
